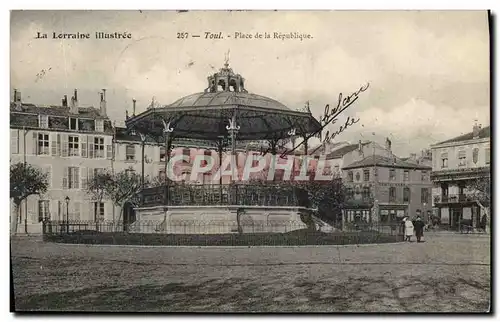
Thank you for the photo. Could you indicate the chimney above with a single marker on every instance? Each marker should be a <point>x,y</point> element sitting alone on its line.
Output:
<point>388,144</point>
<point>17,99</point>
<point>65,101</point>
<point>102,104</point>
<point>413,156</point>
<point>133,106</point>
<point>475,130</point>
<point>73,109</point>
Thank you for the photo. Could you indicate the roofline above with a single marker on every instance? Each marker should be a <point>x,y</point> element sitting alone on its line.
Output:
<point>456,137</point>
<point>416,167</point>
<point>457,143</point>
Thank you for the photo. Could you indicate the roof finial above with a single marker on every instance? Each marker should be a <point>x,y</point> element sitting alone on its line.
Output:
<point>226,58</point>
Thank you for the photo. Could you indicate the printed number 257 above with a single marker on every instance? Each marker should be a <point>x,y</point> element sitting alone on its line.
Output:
<point>182,35</point>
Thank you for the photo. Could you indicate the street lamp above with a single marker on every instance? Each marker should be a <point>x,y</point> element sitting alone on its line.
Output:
<point>67,214</point>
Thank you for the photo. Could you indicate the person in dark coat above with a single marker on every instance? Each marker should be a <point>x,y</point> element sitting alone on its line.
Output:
<point>419,228</point>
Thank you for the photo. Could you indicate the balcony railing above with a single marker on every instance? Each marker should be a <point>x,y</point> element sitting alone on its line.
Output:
<point>212,195</point>
<point>454,198</point>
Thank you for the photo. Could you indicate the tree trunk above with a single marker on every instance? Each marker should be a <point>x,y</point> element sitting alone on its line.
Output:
<point>117,222</point>
<point>15,217</point>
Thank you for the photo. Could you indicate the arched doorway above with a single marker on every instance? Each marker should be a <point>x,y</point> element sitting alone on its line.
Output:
<point>128,215</point>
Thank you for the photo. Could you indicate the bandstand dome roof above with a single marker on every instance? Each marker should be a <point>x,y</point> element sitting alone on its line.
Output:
<point>207,115</point>
<point>217,99</point>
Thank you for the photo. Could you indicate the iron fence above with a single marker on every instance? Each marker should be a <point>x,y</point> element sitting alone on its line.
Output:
<point>237,194</point>
<point>195,227</point>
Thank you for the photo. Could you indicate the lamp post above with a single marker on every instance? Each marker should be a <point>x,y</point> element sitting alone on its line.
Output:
<point>67,214</point>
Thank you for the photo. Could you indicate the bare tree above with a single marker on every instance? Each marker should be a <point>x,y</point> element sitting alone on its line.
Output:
<point>120,188</point>
<point>25,180</point>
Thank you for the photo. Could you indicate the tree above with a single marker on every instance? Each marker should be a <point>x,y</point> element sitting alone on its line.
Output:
<point>480,189</point>
<point>327,197</point>
<point>25,180</point>
<point>120,188</point>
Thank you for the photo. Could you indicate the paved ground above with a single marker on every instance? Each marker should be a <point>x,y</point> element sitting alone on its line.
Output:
<point>447,273</point>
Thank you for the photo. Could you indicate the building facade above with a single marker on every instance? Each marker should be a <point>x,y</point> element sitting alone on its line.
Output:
<point>383,188</point>
<point>461,177</point>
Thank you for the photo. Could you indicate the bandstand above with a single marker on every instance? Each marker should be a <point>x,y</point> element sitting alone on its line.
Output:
<point>224,113</point>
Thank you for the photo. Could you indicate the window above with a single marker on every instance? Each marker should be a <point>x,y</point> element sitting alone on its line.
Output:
<point>444,160</point>
<point>186,153</point>
<point>392,174</point>
<point>366,175</point>
<point>366,193</point>
<point>98,211</point>
<point>424,195</point>
<point>337,169</point>
<point>97,172</point>
<point>358,176</point>
<point>43,210</point>
<point>406,195</point>
<point>349,193</point>
<point>14,141</point>
<point>462,159</point>
<point>99,147</point>
<point>392,194</point>
<point>43,143</point>
<point>43,121</point>
<point>99,125</point>
<point>350,176</point>
<point>73,123</point>
<point>73,178</point>
<point>406,175</point>
<point>161,175</point>
<point>424,176</point>
<point>73,146</point>
<point>163,154</point>
<point>130,152</point>
<point>207,154</point>
<point>487,156</point>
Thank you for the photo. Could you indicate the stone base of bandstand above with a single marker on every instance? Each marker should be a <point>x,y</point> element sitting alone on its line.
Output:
<point>218,219</point>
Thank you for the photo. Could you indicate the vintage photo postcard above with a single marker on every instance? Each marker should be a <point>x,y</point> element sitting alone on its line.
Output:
<point>250,161</point>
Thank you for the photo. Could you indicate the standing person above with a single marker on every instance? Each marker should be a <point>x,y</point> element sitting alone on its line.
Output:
<point>408,229</point>
<point>419,228</point>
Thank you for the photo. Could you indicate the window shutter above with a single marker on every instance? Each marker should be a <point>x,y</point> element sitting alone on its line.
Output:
<point>84,176</point>
<point>76,176</point>
<point>92,211</point>
<point>64,145</point>
<point>90,174</point>
<point>109,151</point>
<point>35,143</point>
<point>91,146</point>
<point>65,178</point>
<point>84,146</point>
<point>14,141</point>
<point>59,144</point>
<point>56,144</point>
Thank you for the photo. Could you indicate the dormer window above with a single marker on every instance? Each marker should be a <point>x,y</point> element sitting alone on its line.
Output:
<point>99,125</point>
<point>43,121</point>
<point>73,124</point>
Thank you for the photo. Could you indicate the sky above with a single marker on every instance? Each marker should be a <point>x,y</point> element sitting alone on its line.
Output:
<point>428,70</point>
